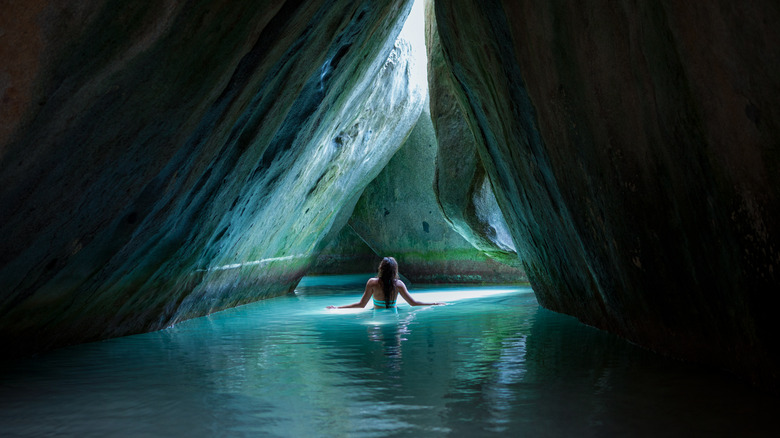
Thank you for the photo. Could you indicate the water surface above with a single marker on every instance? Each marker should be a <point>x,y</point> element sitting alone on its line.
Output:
<point>492,362</point>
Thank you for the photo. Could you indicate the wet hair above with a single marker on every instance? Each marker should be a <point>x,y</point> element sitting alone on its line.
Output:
<point>388,273</point>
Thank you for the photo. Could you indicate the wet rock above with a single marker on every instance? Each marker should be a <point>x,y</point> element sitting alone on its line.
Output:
<point>632,149</point>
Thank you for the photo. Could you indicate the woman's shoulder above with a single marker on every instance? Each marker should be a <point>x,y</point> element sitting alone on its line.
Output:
<point>373,281</point>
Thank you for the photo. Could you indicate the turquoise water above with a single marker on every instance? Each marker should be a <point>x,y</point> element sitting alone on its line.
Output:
<point>492,362</point>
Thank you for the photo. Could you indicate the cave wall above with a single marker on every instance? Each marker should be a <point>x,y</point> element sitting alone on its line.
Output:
<point>345,253</point>
<point>633,149</point>
<point>163,160</point>
<point>399,215</point>
<point>432,207</point>
<point>463,189</point>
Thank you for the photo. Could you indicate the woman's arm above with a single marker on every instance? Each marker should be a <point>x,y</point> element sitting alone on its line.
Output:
<point>360,304</point>
<point>412,302</point>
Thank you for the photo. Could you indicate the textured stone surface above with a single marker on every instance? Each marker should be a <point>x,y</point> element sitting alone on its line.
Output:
<point>633,147</point>
<point>463,189</point>
<point>162,160</point>
<point>398,214</point>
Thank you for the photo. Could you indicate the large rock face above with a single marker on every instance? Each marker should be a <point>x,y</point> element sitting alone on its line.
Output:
<point>399,215</point>
<point>162,160</point>
<point>633,148</point>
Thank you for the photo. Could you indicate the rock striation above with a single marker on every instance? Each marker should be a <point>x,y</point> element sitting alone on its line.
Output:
<point>164,160</point>
<point>633,149</point>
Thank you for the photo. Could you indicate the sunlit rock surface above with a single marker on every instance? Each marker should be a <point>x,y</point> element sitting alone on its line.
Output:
<point>162,160</point>
<point>463,189</point>
<point>398,215</point>
<point>633,148</point>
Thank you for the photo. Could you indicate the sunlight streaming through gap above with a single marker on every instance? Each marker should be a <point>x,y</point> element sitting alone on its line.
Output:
<point>414,33</point>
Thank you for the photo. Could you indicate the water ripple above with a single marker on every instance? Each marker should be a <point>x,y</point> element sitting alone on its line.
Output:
<point>490,362</point>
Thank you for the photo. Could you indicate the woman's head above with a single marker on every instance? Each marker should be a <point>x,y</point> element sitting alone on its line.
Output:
<point>388,268</point>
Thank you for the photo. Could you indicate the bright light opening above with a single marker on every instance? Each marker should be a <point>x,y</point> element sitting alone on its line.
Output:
<point>414,33</point>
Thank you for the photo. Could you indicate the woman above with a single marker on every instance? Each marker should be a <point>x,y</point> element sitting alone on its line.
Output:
<point>385,289</point>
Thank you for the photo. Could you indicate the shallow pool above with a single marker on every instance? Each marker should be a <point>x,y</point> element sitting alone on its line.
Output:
<point>490,362</point>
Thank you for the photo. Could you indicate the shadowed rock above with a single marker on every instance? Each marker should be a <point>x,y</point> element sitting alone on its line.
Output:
<point>633,150</point>
<point>165,160</point>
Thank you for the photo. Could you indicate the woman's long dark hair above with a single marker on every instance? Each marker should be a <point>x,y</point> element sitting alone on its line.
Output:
<point>388,273</point>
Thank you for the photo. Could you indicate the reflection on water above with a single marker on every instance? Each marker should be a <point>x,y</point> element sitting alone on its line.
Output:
<point>491,362</point>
